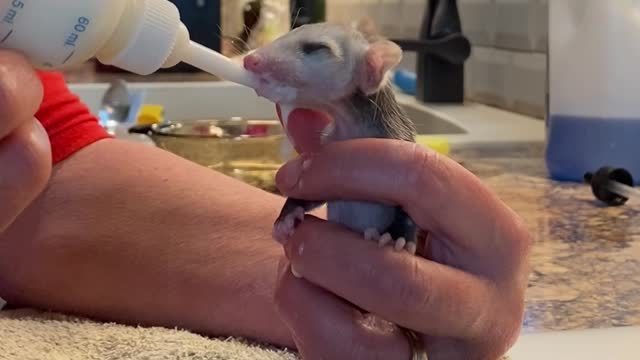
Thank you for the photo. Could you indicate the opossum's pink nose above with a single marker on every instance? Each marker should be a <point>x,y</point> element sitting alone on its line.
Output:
<point>254,63</point>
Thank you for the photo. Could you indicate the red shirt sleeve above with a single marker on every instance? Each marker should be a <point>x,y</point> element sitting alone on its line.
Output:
<point>69,123</point>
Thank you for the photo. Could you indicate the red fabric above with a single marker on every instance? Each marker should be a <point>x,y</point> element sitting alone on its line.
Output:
<point>69,123</point>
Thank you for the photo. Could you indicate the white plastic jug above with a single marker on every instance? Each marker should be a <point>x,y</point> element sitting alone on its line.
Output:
<point>593,117</point>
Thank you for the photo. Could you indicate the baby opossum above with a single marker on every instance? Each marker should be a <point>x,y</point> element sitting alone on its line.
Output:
<point>337,70</point>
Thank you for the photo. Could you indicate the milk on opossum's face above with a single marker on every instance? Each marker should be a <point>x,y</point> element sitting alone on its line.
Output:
<point>277,92</point>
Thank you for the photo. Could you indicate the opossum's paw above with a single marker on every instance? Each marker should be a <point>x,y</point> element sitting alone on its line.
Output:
<point>411,247</point>
<point>403,244</point>
<point>386,238</point>
<point>371,234</point>
<point>284,227</point>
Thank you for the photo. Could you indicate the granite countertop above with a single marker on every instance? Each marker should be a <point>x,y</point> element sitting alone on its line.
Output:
<point>586,257</point>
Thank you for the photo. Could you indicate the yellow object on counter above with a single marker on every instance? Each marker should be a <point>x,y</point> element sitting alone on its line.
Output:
<point>437,144</point>
<point>150,114</point>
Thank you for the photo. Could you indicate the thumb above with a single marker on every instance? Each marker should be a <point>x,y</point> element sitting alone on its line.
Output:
<point>324,326</point>
<point>25,167</point>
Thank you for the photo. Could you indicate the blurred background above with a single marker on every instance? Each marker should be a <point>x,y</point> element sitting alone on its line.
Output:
<point>507,68</point>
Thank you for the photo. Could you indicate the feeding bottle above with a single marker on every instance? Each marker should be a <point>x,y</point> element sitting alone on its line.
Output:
<point>593,117</point>
<point>140,36</point>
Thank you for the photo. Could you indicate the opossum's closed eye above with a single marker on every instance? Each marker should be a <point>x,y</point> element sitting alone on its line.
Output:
<point>311,48</point>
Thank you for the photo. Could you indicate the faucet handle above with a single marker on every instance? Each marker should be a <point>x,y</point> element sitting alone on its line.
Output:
<point>454,48</point>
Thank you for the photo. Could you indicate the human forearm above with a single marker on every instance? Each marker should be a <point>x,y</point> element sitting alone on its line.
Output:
<point>149,239</point>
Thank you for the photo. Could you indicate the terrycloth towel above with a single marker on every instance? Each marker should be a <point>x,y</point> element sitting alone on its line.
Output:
<point>33,335</point>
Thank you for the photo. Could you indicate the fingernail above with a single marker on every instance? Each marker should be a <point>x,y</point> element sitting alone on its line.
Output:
<point>290,173</point>
<point>295,272</point>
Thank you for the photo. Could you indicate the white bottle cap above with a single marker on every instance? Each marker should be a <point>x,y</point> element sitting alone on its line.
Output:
<point>151,39</point>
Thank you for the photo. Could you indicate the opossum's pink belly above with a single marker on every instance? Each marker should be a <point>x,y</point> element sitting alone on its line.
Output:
<point>305,129</point>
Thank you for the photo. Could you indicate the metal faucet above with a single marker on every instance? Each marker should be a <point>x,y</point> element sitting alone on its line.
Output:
<point>442,50</point>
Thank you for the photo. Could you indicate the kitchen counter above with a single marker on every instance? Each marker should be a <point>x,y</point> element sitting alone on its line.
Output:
<point>586,263</point>
<point>586,257</point>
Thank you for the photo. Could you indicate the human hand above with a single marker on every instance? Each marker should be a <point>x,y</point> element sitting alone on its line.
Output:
<point>25,154</point>
<point>464,293</point>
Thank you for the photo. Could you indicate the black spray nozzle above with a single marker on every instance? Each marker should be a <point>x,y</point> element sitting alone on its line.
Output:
<point>601,183</point>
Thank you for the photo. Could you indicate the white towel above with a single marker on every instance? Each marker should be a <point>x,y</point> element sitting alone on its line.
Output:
<point>27,334</point>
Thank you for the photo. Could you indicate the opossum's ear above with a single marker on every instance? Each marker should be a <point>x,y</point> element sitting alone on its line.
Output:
<point>380,58</point>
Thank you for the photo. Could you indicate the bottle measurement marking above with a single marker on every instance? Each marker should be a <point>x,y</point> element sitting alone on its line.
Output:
<point>10,16</point>
<point>6,36</point>
<point>80,27</point>
<point>68,57</point>
<point>12,12</point>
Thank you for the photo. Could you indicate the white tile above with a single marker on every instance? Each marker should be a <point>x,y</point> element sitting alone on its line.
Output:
<point>391,23</point>
<point>413,12</point>
<point>341,11</point>
<point>368,8</point>
<point>478,19</point>
<point>488,71</point>
<point>377,13</point>
<point>540,25</point>
<point>409,61</point>
<point>527,79</point>
<point>513,24</point>
<point>334,10</point>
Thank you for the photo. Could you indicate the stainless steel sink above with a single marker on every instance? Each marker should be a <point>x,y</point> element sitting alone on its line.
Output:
<point>459,124</point>
<point>428,123</point>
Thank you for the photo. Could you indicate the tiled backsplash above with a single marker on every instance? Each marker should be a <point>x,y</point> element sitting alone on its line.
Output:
<point>508,64</point>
